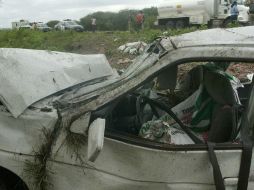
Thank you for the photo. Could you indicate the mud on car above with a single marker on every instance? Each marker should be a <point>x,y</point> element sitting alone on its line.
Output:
<point>70,121</point>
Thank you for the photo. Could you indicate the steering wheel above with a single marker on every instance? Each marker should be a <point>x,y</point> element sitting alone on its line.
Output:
<point>156,104</point>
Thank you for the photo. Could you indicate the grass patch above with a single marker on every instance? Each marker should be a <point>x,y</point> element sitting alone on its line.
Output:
<point>38,169</point>
<point>74,41</point>
<point>75,142</point>
<point>84,42</point>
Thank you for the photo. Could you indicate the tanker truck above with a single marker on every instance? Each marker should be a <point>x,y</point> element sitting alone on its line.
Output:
<point>183,13</point>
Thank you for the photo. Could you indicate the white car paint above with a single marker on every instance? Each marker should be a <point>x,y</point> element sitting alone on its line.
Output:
<point>22,71</point>
<point>120,165</point>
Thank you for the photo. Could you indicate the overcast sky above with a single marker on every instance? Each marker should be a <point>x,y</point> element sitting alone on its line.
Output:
<point>45,10</point>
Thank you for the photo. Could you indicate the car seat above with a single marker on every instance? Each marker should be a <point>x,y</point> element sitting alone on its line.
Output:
<point>224,116</point>
<point>192,80</point>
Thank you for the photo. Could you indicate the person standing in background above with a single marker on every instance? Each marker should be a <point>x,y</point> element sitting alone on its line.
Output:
<point>93,24</point>
<point>140,20</point>
<point>234,12</point>
<point>129,22</point>
<point>34,26</point>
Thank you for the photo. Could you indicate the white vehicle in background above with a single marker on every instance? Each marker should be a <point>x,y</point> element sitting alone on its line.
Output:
<point>43,27</point>
<point>243,12</point>
<point>182,13</point>
<point>22,24</point>
<point>69,25</point>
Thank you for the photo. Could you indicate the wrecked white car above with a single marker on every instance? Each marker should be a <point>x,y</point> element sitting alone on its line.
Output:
<point>70,121</point>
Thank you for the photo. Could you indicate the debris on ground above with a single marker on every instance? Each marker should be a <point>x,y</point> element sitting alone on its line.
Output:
<point>133,48</point>
<point>241,70</point>
<point>166,33</point>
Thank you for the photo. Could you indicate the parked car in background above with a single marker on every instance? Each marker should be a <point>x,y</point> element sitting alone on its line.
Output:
<point>69,25</point>
<point>69,121</point>
<point>43,27</point>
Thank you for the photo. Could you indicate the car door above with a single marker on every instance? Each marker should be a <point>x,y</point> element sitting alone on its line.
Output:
<point>224,9</point>
<point>129,163</point>
<point>124,163</point>
<point>249,122</point>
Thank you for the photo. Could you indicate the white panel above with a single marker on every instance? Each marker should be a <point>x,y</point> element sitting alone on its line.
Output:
<point>29,75</point>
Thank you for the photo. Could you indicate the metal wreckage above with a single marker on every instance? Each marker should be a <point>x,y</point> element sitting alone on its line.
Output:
<point>70,121</point>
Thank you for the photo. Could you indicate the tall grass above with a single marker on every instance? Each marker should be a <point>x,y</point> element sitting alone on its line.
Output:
<point>68,40</point>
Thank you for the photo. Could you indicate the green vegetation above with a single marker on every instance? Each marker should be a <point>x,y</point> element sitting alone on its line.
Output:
<point>116,21</point>
<point>109,21</point>
<point>52,23</point>
<point>233,25</point>
<point>83,43</point>
<point>37,170</point>
<point>73,41</point>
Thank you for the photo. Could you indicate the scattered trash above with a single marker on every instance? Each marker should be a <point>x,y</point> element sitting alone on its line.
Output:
<point>133,48</point>
<point>165,33</point>
<point>133,51</point>
<point>166,130</point>
<point>162,131</point>
<point>121,71</point>
<point>122,48</point>
<point>127,50</point>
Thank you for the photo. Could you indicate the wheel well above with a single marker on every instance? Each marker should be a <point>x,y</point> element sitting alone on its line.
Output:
<point>11,180</point>
<point>163,22</point>
<point>226,19</point>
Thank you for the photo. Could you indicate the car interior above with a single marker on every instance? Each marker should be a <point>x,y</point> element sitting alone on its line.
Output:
<point>171,87</point>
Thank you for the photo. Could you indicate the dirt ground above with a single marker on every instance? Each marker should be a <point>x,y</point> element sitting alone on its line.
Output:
<point>241,70</point>
<point>116,59</point>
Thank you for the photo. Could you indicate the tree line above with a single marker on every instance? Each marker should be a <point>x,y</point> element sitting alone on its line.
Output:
<point>120,21</point>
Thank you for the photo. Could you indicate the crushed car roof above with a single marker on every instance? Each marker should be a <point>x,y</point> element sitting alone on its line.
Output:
<point>28,76</point>
<point>218,36</point>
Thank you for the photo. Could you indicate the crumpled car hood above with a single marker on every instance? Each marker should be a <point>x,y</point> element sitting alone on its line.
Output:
<point>28,76</point>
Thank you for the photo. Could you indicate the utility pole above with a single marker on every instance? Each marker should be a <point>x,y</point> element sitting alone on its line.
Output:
<point>129,22</point>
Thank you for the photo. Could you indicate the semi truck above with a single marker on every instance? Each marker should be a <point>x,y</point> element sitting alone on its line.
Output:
<point>182,13</point>
<point>22,24</point>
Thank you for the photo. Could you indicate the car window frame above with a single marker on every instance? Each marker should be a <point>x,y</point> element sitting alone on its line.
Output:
<point>138,76</point>
<point>137,141</point>
<point>219,146</point>
<point>148,66</point>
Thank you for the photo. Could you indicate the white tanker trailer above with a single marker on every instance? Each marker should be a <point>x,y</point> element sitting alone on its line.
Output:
<point>181,13</point>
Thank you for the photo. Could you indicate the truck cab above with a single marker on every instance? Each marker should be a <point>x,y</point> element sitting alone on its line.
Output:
<point>180,14</point>
<point>22,24</point>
